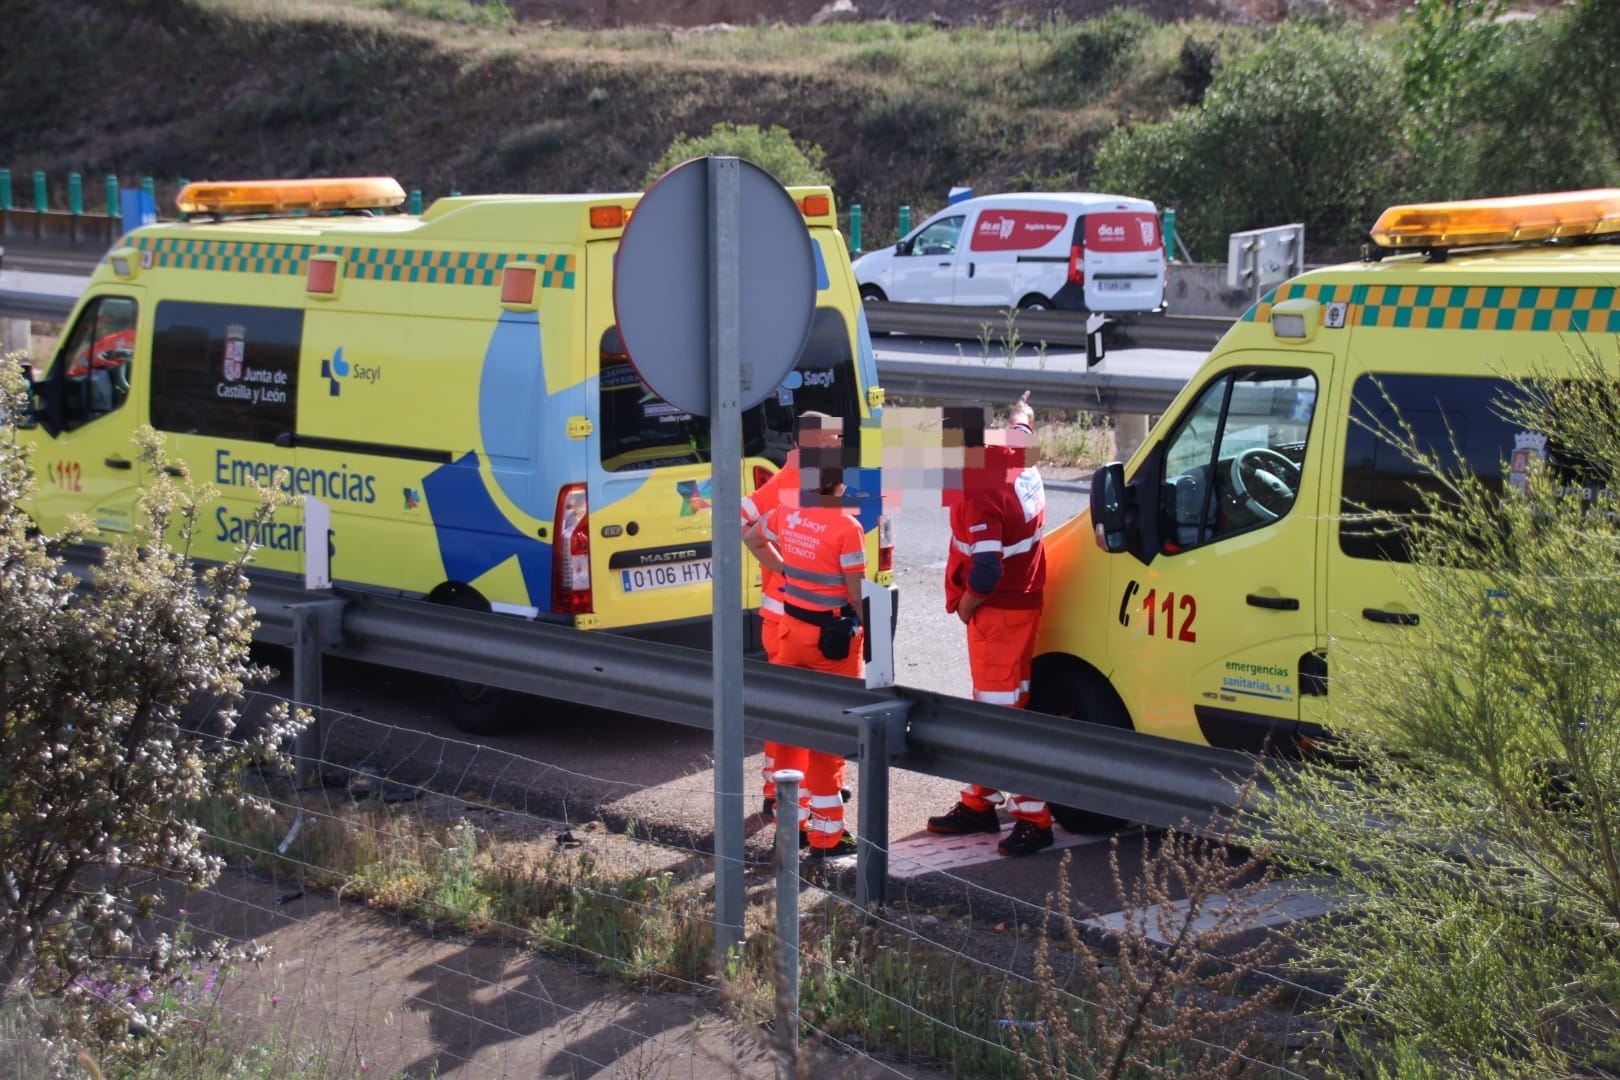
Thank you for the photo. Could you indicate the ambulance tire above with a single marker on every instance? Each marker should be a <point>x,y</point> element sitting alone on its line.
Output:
<point>1064,686</point>
<point>1035,302</point>
<point>472,707</point>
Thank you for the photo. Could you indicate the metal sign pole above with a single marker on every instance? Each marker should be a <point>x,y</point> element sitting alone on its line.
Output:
<point>725,469</point>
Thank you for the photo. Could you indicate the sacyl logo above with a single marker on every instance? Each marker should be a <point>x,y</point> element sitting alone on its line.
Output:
<point>334,369</point>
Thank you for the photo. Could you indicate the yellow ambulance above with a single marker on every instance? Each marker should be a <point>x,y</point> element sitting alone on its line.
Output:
<point>451,386</point>
<point>1211,590</point>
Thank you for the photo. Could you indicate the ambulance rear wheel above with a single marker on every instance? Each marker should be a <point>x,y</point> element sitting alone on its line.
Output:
<point>471,706</point>
<point>1063,686</point>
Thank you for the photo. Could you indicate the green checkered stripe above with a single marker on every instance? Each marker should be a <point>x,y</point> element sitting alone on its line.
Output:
<point>359,263</point>
<point>1562,308</point>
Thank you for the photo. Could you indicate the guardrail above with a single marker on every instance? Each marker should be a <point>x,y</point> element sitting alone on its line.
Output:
<point>1134,776</point>
<point>1192,332</point>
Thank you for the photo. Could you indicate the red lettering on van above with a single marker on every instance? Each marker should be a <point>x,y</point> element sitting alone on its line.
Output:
<point>1015,230</point>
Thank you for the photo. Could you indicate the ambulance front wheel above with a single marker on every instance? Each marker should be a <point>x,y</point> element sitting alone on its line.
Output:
<point>473,707</point>
<point>1065,686</point>
<point>1035,302</point>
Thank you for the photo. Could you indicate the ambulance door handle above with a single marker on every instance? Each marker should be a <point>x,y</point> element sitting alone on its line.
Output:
<point>970,269</point>
<point>1392,618</point>
<point>118,463</point>
<point>1272,603</point>
<point>174,470</point>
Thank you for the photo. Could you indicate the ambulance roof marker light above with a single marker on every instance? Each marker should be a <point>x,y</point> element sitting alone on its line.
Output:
<point>609,217</point>
<point>241,197</point>
<point>1508,220</point>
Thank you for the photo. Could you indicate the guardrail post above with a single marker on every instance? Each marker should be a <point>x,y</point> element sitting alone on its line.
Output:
<point>5,189</point>
<point>905,220</point>
<point>787,921</point>
<point>39,191</point>
<point>883,737</point>
<point>314,625</point>
<point>113,209</point>
<point>455,194</point>
<point>855,229</point>
<point>416,200</point>
<point>75,193</point>
<point>1169,231</point>
<point>149,188</point>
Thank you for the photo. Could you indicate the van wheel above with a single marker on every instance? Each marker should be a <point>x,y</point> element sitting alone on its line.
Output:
<point>1063,686</point>
<point>1035,302</point>
<point>871,294</point>
<point>473,707</point>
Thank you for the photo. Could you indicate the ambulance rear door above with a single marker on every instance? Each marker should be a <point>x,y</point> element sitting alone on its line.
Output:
<point>1213,624</point>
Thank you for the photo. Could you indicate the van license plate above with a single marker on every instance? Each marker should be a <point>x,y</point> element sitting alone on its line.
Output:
<point>1114,286</point>
<point>642,578</point>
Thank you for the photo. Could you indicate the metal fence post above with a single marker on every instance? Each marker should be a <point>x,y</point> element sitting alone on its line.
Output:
<point>855,228</point>
<point>787,920</point>
<point>113,209</point>
<point>5,189</point>
<point>149,186</point>
<point>416,200</point>
<point>75,193</point>
<point>883,736</point>
<point>307,688</point>
<point>905,220</point>
<point>39,191</point>
<point>1169,230</point>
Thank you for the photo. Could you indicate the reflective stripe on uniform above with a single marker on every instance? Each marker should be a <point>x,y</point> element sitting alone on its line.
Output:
<point>827,802</point>
<point>979,547</point>
<point>816,577</point>
<point>823,825</point>
<point>750,510</point>
<point>997,697</point>
<point>1023,804</point>
<point>989,795</point>
<point>810,598</point>
<point>855,560</point>
<point>772,604</point>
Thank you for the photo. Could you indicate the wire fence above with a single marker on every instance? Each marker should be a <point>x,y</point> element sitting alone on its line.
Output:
<point>435,907</point>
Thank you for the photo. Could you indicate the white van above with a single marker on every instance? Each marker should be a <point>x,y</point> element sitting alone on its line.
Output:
<point>1072,251</point>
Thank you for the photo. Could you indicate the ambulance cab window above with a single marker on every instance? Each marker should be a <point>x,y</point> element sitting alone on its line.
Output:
<point>226,370</point>
<point>1236,458</point>
<point>96,363</point>
<point>937,237</point>
<point>1457,420</point>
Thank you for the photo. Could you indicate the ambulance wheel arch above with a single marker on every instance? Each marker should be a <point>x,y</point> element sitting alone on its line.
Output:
<point>872,294</point>
<point>1035,302</point>
<point>473,707</point>
<point>1064,685</point>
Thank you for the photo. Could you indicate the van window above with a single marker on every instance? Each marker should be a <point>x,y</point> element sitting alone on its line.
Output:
<point>226,370</point>
<point>1236,458</point>
<point>96,364</point>
<point>640,430</point>
<point>1455,419</point>
<point>938,237</point>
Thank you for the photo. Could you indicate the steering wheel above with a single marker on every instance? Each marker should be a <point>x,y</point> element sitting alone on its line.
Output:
<point>1260,466</point>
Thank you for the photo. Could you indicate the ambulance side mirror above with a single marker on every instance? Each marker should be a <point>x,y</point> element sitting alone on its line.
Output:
<point>1108,494</point>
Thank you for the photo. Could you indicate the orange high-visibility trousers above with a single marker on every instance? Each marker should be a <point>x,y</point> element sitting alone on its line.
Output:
<point>1001,642</point>
<point>822,803</point>
<point>777,755</point>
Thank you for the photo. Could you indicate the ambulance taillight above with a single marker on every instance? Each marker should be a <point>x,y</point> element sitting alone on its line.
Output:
<point>762,476</point>
<point>1077,265</point>
<point>571,554</point>
<point>885,544</point>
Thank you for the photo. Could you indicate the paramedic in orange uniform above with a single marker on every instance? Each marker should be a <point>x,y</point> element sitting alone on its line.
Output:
<point>819,549</point>
<point>765,499</point>
<point>995,572</point>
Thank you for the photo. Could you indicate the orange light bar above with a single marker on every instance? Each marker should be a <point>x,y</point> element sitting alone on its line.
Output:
<point>815,206</point>
<point>282,196</point>
<point>1514,219</point>
<point>608,217</point>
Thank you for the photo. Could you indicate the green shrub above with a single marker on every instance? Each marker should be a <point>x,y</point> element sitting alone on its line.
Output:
<point>774,150</point>
<point>528,146</point>
<point>1087,54</point>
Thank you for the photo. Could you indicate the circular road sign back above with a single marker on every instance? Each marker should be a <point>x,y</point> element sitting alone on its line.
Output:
<point>661,284</point>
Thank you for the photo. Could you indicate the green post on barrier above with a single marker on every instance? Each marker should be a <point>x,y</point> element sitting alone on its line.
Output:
<point>75,193</point>
<point>149,186</point>
<point>5,189</point>
<point>455,194</point>
<point>39,191</point>
<point>855,228</point>
<point>905,220</point>
<point>113,209</point>
<point>416,200</point>
<point>1169,235</point>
